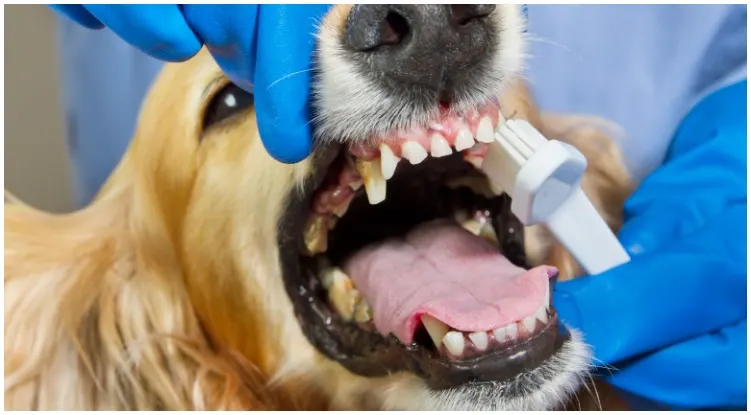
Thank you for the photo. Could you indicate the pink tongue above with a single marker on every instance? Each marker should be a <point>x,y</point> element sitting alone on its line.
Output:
<point>443,270</point>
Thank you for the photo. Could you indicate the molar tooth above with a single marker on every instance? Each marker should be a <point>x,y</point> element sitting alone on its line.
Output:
<point>388,161</point>
<point>464,139</point>
<point>529,323</point>
<point>435,328</point>
<point>375,183</point>
<point>454,342</point>
<point>439,147</point>
<point>363,312</point>
<point>413,152</point>
<point>343,295</point>
<point>485,131</point>
<point>331,276</point>
<point>480,339</point>
<point>315,235</point>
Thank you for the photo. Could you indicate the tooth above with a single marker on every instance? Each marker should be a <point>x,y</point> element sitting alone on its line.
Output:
<point>480,339</point>
<point>413,152</point>
<point>485,131</point>
<point>529,323</point>
<point>331,276</point>
<point>340,210</point>
<point>473,225</point>
<point>356,185</point>
<point>363,312</point>
<point>488,233</point>
<point>464,139</point>
<point>512,332</point>
<point>454,342</point>
<point>542,315</point>
<point>500,334</point>
<point>388,161</point>
<point>439,147</point>
<point>546,301</point>
<point>343,296</point>
<point>315,236</point>
<point>435,328</point>
<point>375,184</point>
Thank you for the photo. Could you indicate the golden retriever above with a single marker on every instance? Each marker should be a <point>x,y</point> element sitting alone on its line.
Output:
<point>207,275</point>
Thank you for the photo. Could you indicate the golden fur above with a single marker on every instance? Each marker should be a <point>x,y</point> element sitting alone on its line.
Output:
<point>165,293</point>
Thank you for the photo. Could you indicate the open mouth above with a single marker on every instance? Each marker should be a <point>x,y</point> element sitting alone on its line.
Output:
<point>399,257</point>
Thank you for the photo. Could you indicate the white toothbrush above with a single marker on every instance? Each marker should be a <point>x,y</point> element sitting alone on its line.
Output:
<point>543,178</point>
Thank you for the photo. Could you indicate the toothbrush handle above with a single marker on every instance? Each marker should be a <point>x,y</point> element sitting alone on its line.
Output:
<point>580,228</point>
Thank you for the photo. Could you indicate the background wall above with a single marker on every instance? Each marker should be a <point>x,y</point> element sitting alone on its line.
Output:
<point>36,159</point>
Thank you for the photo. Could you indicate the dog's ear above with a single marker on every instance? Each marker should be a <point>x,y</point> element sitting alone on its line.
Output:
<point>606,182</point>
<point>96,315</point>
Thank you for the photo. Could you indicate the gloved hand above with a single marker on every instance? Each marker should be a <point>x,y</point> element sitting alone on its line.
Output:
<point>264,49</point>
<point>673,320</point>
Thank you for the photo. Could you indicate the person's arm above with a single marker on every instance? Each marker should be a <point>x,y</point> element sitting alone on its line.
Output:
<point>684,292</point>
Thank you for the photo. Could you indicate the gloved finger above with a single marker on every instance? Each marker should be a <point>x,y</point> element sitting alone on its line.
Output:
<point>229,32</point>
<point>675,293</point>
<point>159,30</point>
<point>78,14</point>
<point>702,373</point>
<point>286,40</point>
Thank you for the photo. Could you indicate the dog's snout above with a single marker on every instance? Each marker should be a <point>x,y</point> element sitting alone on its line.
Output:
<point>420,44</point>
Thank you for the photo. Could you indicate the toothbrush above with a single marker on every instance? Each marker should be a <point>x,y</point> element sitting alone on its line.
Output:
<point>543,178</point>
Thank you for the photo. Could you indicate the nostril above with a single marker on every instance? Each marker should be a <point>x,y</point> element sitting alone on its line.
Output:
<point>394,29</point>
<point>462,14</point>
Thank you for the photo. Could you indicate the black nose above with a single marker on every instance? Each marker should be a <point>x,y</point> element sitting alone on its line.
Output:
<point>420,44</point>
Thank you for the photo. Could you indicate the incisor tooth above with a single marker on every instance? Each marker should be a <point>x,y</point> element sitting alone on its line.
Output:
<point>512,331</point>
<point>480,340</point>
<point>454,342</point>
<point>388,161</point>
<point>375,183</point>
<point>485,131</point>
<point>499,334</point>
<point>413,152</point>
<point>529,323</point>
<point>315,235</point>
<point>542,315</point>
<point>464,139</point>
<point>501,119</point>
<point>435,328</point>
<point>439,147</point>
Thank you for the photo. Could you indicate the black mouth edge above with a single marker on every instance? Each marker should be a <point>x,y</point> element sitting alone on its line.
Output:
<point>373,355</point>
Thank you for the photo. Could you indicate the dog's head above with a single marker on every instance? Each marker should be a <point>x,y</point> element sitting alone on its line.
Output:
<point>380,268</point>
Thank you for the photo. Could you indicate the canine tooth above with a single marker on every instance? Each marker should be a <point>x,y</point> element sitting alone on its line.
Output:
<point>413,152</point>
<point>388,161</point>
<point>464,139</point>
<point>454,342</point>
<point>485,131</point>
<point>435,328</point>
<point>315,235</point>
<point>363,312</point>
<point>439,147</point>
<point>529,323</point>
<point>542,315</point>
<point>480,339</point>
<point>375,183</point>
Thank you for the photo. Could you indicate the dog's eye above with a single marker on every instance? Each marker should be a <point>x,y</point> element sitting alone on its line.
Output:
<point>228,102</point>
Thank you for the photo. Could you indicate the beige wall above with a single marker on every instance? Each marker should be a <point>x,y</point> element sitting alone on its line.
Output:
<point>36,160</point>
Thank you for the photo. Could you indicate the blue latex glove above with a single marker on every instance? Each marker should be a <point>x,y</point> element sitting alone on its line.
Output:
<point>673,320</point>
<point>265,49</point>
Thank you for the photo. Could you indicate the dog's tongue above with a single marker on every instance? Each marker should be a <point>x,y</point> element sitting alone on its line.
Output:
<point>443,270</point>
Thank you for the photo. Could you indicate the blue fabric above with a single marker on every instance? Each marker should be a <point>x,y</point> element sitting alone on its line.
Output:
<point>673,320</point>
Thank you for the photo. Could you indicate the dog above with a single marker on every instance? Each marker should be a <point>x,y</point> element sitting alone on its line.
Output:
<point>207,275</point>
